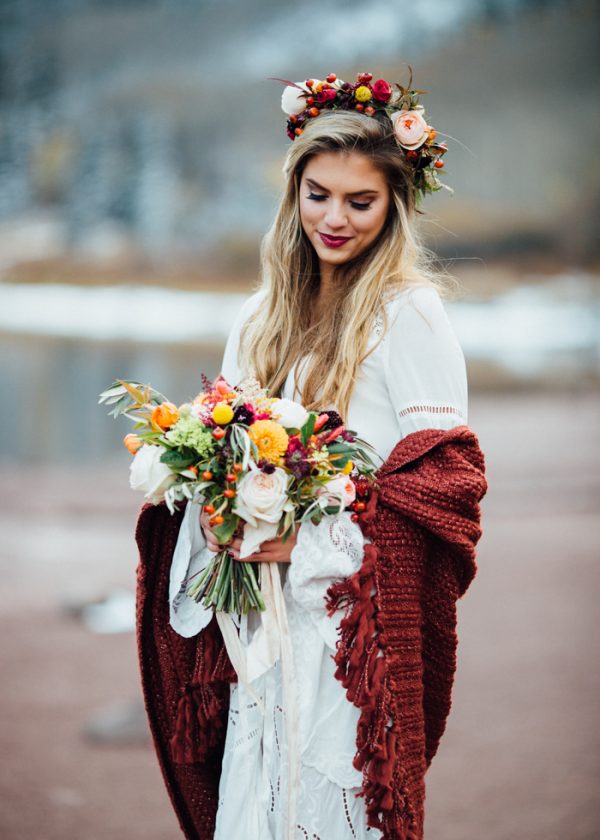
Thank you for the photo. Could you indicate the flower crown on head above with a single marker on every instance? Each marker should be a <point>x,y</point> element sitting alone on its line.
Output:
<point>304,101</point>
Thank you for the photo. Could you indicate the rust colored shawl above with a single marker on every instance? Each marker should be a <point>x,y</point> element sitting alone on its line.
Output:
<point>396,655</point>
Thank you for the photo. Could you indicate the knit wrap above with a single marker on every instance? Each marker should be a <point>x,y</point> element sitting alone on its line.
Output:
<point>396,653</point>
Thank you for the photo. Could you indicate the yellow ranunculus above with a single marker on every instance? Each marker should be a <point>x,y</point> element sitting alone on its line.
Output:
<point>270,438</point>
<point>222,413</point>
<point>362,94</point>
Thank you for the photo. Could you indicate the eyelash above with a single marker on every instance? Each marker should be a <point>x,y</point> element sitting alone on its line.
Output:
<point>357,205</point>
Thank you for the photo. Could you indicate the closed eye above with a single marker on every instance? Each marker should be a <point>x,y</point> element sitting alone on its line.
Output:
<point>356,204</point>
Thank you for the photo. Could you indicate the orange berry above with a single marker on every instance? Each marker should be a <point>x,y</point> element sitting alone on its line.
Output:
<point>359,507</point>
<point>369,110</point>
<point>359,106</point>
<point>310,100</point>
<point>229,493</point>
<point>218,433</point>
<point>217,520</point>
<point>209,509</point>
<point>238,467</point>
<point>310,82</point>
<point>439,164</point>
<point>194,470</point>
<point>331,78</point>
<point>207,475</point>
<point>314,112</point>
<point>231,477</point>
<point>298,131</point>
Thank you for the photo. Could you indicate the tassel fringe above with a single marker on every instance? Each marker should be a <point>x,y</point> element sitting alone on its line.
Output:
<point>362,669</point>
<point>202,708</point>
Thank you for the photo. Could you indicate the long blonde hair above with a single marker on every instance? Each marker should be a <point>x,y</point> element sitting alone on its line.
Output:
<point>280,332</point>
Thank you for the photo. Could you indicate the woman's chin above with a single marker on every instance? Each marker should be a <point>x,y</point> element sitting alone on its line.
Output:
<point>334,256</point>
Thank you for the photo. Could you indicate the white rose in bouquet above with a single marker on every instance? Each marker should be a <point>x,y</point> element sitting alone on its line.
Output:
<point>290,414</point>
<point>341,488</point>
<point>148,474</point>
<point>261,499</point>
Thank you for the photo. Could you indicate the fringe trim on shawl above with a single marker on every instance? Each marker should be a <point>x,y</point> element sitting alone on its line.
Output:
<point>362,670</point>
<point>202,708</point>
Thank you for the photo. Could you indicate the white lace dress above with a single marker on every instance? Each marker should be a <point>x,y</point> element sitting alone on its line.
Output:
<point>414,379</point>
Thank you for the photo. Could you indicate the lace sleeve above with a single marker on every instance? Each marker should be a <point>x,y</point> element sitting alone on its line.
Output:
<point>189,558</point>
<point>424,364</point>
<point>323,553</point>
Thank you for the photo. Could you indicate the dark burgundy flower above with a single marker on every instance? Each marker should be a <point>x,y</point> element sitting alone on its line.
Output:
<point>333,422</point>
<point>297,464</point>
<point>244,414</point>
<point>381,90</point>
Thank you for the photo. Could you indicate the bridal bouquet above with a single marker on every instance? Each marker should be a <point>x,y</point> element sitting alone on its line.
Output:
<point>258,465</point>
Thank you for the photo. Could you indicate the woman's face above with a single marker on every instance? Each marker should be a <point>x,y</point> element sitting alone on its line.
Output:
<point>344,201</point>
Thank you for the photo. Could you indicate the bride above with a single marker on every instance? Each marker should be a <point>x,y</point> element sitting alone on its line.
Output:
<point>348,318</point>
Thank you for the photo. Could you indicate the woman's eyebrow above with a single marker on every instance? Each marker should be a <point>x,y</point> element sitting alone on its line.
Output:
<point>358,192</point>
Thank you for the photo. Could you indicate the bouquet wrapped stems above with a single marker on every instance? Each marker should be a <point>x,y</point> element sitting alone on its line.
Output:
<point>228,585</point>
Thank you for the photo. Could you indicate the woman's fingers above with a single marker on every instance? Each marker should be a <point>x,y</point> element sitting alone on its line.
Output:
<point>211,541</point>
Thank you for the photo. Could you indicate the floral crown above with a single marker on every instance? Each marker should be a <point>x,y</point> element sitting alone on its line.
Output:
<point>304,101</point>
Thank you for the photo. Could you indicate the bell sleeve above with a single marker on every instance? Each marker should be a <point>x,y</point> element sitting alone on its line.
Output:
<point>424,364</point>
<point>323,554</point>
<point>190,557</point>
<point>231,368</point>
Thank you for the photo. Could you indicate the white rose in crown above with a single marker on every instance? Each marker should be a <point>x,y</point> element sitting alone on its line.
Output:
<point>148,474</point>
<point>341,488</point>
<point>260,501</point>
<point>410,128</point>
<point>288,413</point>
<point>292,101</point>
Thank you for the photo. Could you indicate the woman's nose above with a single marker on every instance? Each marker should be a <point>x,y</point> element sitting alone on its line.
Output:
<point>335,216</point>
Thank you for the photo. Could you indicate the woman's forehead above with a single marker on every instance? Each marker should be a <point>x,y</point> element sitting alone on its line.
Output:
<point>351,170</point>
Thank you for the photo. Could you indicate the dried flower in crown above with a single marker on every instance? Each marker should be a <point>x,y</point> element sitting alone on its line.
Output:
<point>305,101</point>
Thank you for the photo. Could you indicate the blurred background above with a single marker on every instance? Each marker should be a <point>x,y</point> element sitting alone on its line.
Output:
<point>141,145</point>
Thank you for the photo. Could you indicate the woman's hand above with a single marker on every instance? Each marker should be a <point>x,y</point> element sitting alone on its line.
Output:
<point>211,541</point>
<point>271,551</point>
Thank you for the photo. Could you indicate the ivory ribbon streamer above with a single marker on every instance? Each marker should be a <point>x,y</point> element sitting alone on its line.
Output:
<point>270,641</point>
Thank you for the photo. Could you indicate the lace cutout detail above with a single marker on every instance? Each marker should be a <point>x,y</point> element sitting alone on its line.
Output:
<point>276,733</point>
<point>345,541</point>
<point>378,325</point>
<point>430,409</point>
<point>347,812</point>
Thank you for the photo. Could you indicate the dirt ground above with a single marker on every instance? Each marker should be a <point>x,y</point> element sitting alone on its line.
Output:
<point>520,755</point>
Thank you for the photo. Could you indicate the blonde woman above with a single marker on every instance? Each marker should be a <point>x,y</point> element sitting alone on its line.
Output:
<point>348,318</point>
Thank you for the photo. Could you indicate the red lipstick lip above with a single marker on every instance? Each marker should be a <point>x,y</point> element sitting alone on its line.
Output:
<point>334,241</point>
